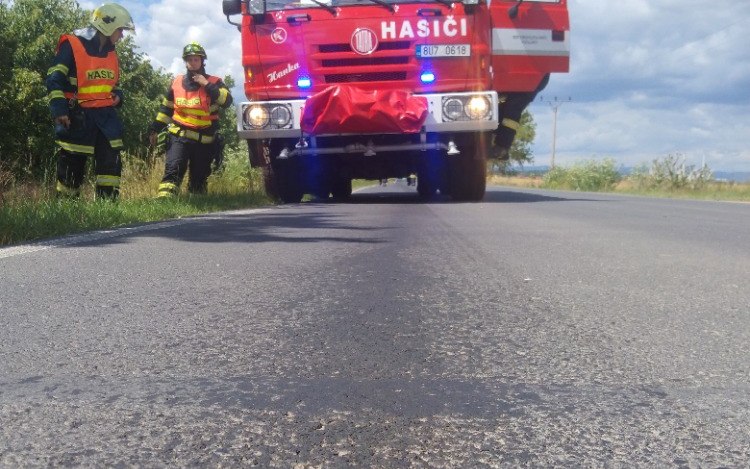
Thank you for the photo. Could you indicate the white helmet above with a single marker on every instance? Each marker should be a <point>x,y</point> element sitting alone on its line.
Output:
<point>110,17</point>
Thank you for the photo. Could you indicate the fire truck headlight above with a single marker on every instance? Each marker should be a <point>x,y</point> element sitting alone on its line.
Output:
<point>477,107</point>
<point>256,116</point>
<point>280,116</point>
<point>453,109</point>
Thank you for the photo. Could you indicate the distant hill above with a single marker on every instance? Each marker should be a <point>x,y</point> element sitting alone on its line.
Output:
<point>736,176</point>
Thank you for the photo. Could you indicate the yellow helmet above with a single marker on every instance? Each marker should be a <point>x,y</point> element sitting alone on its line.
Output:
<point>194,49</point>
<point>110,17</point>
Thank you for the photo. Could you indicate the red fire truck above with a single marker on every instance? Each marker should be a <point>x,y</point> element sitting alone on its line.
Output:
<point>371,89</point>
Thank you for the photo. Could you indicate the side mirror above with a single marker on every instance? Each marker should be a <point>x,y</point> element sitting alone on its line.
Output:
<point>232,7</point>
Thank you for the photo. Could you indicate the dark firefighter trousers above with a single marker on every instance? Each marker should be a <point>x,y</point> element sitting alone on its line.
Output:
<point>512,106</point>
<point>183,155</point>
<point>92,132</point>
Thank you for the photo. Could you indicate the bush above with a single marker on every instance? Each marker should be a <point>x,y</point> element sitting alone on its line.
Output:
<point>584,176</point>
<point>671,173</point>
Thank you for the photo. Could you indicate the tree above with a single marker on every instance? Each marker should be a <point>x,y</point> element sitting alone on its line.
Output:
<point>520,152</point>
<point>228,119</point>
<point>143,87</point>
<point>29,31</point>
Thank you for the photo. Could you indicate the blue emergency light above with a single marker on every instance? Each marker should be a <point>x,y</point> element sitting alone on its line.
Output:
<point>427,77</point>
<point>304,83</point>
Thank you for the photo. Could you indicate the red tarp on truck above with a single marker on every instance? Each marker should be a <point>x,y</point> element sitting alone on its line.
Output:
<point>348,109</point>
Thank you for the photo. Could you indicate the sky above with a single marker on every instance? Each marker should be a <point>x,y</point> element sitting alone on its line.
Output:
<point>648,78</point>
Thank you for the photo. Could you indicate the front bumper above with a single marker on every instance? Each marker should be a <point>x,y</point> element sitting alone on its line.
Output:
<point>438,120</point>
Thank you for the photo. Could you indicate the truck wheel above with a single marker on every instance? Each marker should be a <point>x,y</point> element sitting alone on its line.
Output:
<point>342,188</point>
<point>321,189</point>
<point>318,180</point>
<point>468,178</point>
<point>286,180</point>
<point>425,188</point>
<point>428,176</point>
<point>478,173</point>
<point>269,182</point>
<point>258,153</point>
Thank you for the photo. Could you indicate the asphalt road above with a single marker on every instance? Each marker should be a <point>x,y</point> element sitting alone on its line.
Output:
<point>535,329</point>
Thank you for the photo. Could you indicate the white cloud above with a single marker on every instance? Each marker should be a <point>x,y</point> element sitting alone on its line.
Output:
<point>653,77</point>
<point>164,27</point>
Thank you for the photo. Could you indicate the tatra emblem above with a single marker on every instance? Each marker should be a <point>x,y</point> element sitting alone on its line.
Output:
<point>364,41</point>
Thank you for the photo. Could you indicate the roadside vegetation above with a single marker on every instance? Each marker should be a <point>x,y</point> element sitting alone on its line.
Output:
<point>29,30</point>
<point>665,177</point>
<point>30,210</point>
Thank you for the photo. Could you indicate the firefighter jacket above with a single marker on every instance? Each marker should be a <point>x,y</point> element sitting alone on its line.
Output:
<point>192,111</point>
<point>81,84</point>
<point>99,69</point>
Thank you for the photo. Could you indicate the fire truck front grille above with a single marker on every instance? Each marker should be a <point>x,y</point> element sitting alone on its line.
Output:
<point>365,61</point>
<point>351,59</point>
<point>377,76</point>
<point>395,45</point>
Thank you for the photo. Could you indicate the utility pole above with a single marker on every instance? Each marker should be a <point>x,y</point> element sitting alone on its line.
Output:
<point>555,104</point>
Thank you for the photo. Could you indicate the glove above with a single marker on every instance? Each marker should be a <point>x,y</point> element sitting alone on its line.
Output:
<point>158,141</point>
<point>61,130</point>
<point>218,160</point>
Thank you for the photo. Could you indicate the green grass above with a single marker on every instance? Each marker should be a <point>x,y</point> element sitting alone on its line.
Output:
<point>583,176</point>
<point>49,218</point>
<point>30,211</point>
<point>667,177</point>
<point>719,191</point>
<point>362,183</point>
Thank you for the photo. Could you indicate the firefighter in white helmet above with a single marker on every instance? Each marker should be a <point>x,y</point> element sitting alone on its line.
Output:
<point>83,97</point>
<point>190,113</point>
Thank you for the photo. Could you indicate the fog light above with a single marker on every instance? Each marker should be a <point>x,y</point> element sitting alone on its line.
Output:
<point>256,116</point>
<point>477,107</point>
<point>280,116</point>
<point>453,109</point>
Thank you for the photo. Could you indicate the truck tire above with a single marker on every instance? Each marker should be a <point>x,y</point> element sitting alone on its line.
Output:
<point>425,188</point>
<point>269,182</point>
<point>468,178</point>
<point>258,153</point>
<point>428,176</point>
<point>286,181</point>
<point>341,188</point>
<point>478,173</point>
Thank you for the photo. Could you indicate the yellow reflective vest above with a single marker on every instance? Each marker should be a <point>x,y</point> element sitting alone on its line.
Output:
<point>193,108</point>
<point>96,77</point>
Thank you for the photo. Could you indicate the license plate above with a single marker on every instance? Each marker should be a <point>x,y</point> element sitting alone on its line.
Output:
<point>443,50</point>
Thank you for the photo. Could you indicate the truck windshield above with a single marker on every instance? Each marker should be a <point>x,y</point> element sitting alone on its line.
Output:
<point>273,5</point>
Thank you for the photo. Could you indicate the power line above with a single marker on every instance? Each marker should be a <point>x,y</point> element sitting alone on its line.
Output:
<point>555,104</point>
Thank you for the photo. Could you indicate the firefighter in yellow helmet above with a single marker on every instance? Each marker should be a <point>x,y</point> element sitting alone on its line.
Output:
<point>83,97</point>
<point>190,113</point>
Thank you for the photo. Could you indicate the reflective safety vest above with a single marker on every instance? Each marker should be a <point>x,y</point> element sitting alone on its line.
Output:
<point>96,77</point>
<point>193,109</point>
